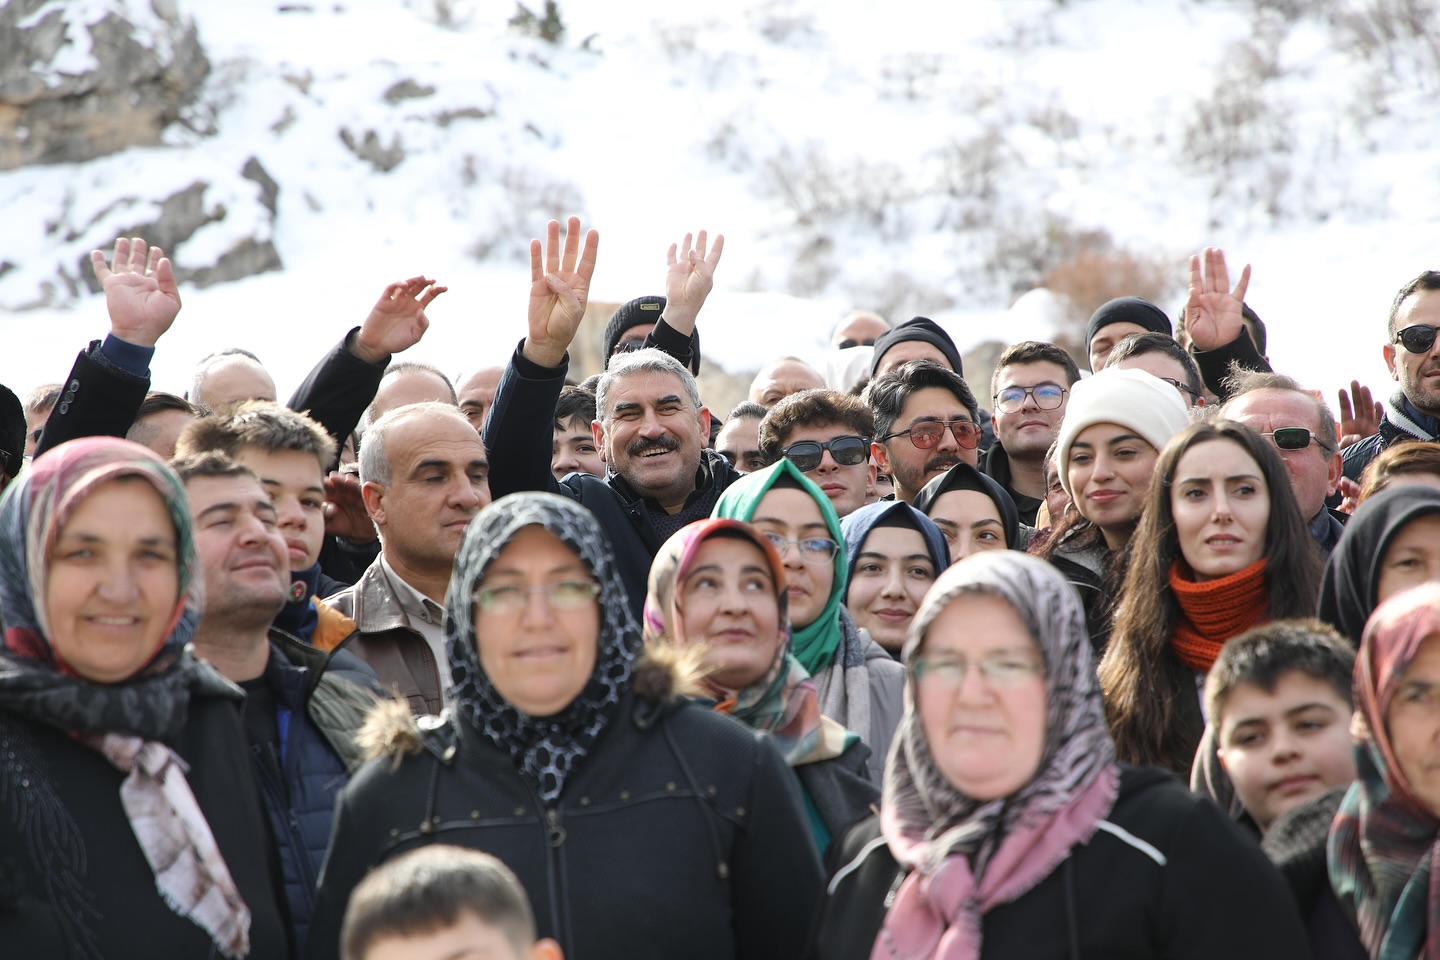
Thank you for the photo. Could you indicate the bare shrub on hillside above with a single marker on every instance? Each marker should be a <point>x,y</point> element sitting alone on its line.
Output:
<point>547,24</point>
<point>1392,32</point>
<point>1093,276</point>
<point>526,198</point>
<point>970,172</point>
<point>822,194</point>
<point>1023,252</point>
<point>910,76</point>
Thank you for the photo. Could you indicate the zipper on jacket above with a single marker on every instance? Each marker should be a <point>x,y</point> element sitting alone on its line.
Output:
<point>557,832</point>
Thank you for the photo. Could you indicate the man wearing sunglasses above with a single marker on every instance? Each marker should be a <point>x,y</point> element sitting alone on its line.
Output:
<point>827,435</point>
<point>1303,432</point>
<point>1030,388</point>
<point>1413,411</point>
<point>926,421</point>
<point>860,329</point>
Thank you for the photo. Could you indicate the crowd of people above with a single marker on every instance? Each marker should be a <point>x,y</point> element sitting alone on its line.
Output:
<point>1139,661</point>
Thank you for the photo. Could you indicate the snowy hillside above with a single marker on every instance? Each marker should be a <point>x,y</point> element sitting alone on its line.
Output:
<point>909,157</point>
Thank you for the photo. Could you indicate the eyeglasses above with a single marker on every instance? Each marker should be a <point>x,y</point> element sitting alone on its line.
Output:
<point>1184,388</point>
<point>561,595</point>
<point>847,343</point>
<point>1047,396</point>
<point>812,549</point>
<point>996,670</point>
<point>628,346</point>
<point>1294,438</point>
<point>847,451</point>
<point>1417,339</point>
<point>926,435</point>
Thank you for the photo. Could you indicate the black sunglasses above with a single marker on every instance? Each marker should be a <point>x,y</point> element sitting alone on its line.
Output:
<point>1295,438</point>
<point>1184,388</point>
<point>1417,339</point>
<point>847,451</point>
<point>847,343</point>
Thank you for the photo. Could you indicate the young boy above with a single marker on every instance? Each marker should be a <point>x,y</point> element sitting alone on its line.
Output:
<point>1279,701</point>
<point>575,449</point>
<point>442,903</point>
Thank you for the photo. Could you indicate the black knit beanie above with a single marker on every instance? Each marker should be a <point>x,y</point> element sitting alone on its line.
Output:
<point>1128,310</point>
<point>640,312</point>
<point>12,430</point>
<point>917,328</point>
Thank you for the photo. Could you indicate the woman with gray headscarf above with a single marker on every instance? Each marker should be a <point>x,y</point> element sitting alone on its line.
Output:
<point>641,825</point>
<point>1008,829</point>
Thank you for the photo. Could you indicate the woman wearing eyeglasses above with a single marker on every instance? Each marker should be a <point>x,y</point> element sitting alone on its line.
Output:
<point>1114,427</point>
<point>1222,547</point>
<point>858,683</point>
<point>1007,829</point>
<point>641,826</point>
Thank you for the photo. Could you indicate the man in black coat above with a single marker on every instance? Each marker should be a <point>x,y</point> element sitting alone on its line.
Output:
<point>650,426</point>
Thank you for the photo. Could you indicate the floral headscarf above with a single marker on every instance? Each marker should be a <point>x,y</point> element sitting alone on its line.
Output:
<point>131,722</point>
<point>816,642</point>
<point>783,703</point>
<point>968,855</point>
<point>548,749</point>
<point>1383,853</point>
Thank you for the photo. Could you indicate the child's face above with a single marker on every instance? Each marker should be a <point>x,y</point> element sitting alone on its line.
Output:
<point>575,451</point>
<point>1286,747</point>
<point>469,938</point>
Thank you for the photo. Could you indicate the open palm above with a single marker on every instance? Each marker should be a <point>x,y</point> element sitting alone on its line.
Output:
<point>559,288</point>
<point>1212,312</point>
<point>141,294</point>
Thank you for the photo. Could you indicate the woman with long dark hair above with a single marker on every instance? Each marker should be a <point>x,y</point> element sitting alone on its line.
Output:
<point>1221,547</point>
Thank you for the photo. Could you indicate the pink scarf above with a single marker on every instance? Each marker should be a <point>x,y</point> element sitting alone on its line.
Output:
<point>968,856</point>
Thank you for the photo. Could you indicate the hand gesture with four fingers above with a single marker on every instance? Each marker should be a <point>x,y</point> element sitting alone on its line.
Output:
<point>689,277</point>
<point>1212,312</point>
<point>559,287</point>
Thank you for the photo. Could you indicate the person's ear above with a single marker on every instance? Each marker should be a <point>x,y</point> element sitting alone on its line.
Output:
<point>1335,472</point>
<point>1389,351</point>
<point>881,457</point>
<point>704,426</point>
<point>374,495</point>
<point>598,432</point>
<point>546,949</point>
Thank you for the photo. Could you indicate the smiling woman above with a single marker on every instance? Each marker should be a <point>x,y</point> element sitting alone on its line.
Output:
<point>568,753</point>
<point>1221,547</point>
<point>128,749</point>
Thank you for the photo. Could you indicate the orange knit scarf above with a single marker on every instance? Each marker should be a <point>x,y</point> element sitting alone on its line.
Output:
<point>1214,611</point>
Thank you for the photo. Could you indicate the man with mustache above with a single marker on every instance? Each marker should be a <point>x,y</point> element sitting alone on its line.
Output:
<point>650,423</point>
<point>1413,356</point>
<point>926,421</point>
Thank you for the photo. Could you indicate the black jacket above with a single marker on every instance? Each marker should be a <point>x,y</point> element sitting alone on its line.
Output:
<point>99,399</point>
<point>74,884</point>
<point>1215,364</point>
<point>680,835</point>
<point>1170,877</point>
<point>519,437</point>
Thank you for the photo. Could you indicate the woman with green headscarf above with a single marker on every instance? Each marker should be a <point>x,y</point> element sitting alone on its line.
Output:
<point>859,685</point>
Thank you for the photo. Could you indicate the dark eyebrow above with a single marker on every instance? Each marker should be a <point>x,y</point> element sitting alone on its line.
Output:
<point>1206,481</point>
<point>625,406</point>
<point>271,482</point>
<point>984,521</point>
<point>671,398</point>
<point>885,556</point>
<point>1125,438</point>
<point>511,571</point>
<point>227,506</point>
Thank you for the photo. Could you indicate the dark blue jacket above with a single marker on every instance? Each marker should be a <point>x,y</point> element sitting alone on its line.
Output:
<point>519,438</point>
<point>317,723</point>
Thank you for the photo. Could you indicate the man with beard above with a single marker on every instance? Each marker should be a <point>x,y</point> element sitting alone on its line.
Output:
<point>650,423</point>
<point>926,421</point>
<point>1411,353</point>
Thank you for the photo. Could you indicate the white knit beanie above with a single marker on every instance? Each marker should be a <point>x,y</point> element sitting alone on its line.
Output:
<point>1131,398</point>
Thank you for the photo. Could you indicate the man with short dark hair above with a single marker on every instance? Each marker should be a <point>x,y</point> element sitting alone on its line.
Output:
<point>739,439</point>
<point>926,421</point>
<point>1030,388</point>
<point>302,709</point>
<point>1160,355</point>
<point>827,435</point>
<point>1303,432</point>
<point>475,392</point>
<point>1413,411</point>
<point>575,448</point>
<point>161,419</point>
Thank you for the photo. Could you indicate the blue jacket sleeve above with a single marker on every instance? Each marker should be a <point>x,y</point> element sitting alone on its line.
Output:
<point>519,431</point>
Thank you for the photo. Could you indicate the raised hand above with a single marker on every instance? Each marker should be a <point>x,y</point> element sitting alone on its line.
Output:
<point>1350,494</point>
<point>140,293</point>
<point>1212,312</point>
<point>559,287</point>
<point>689,277</point>
<point>397,321</point>
<point>1359,419</point>
<point>345,514</point>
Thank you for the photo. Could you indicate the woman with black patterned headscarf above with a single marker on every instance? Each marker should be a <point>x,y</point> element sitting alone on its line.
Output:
<point>130,823</point>
<point>639,824</point>
<point>1007,829</point>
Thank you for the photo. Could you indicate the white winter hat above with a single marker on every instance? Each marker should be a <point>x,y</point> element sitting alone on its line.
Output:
<point>1131,398</point>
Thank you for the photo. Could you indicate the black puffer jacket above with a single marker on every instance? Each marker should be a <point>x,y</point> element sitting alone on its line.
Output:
<point>1165,876</point>
<point>682,834</point>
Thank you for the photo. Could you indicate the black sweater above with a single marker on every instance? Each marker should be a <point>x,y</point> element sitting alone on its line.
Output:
<point>1169,877</point>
